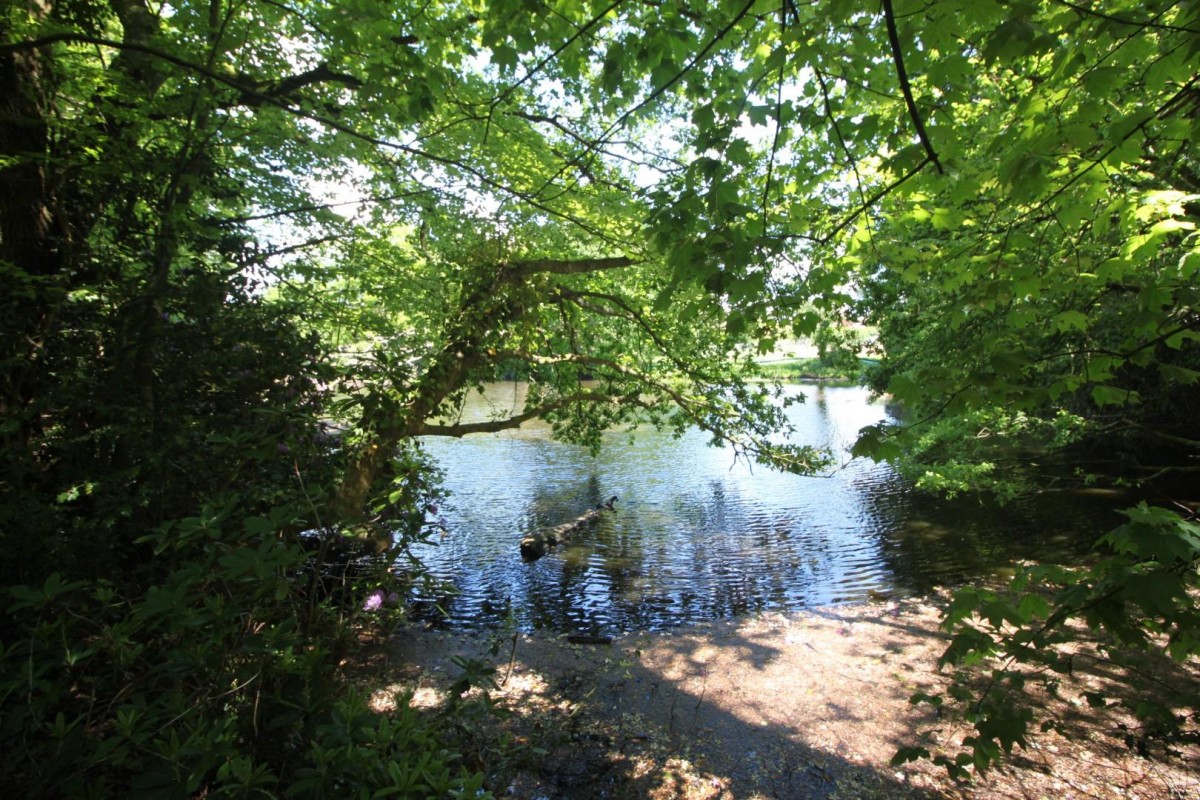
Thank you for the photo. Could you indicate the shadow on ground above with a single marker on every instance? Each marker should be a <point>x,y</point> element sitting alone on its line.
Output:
<point>801,706</point>
<point>808,706</point>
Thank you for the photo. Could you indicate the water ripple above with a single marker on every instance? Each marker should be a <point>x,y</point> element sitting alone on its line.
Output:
<point>699,534</point>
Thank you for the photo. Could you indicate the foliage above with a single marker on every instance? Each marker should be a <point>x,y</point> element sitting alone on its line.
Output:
<point>227,226</point>
<point>162,637</point>
<point>205,683</point>
<point>1037,294</point>
<point>1137,598</point>
<point>984,450</point>
<point>1055,275</point>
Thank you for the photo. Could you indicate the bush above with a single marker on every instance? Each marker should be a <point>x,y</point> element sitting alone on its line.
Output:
<point>207,684</point>
<point>1138,599</point>
<point>157,642</point>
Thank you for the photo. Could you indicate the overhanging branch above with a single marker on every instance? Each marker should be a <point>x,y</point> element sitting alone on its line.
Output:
<point>255,92</point>
<point>252,96</point>
<point>863,208</point>
<point>723,420</point>
<point>653,95</point>
<point>510,423</point>
<point>1136,23</point>
<point>558,51</point>
<point>579,297</point>
<point>889,17</point>
<point>319,74</point>
<point>576,266</point>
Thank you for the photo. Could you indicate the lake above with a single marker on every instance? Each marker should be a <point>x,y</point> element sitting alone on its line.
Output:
<point>698,535</point>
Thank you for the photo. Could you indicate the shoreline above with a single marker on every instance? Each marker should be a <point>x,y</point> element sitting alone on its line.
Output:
<point>811,703</point>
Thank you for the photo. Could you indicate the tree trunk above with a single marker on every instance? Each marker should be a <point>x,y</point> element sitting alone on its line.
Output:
<point>28,252</point>
<point>495,296</point>
<point>447,373</point>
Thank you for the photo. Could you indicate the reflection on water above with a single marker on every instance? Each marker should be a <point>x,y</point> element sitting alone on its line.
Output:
<point>699,535</point>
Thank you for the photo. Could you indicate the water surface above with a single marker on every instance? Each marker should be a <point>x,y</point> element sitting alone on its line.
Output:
<point>699,534</point>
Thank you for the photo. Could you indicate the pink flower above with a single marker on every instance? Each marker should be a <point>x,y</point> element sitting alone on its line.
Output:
<point>374,601</point>
<point>377,600</point>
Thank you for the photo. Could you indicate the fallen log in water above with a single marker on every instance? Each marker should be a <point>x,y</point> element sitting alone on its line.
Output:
<point>535,545</point>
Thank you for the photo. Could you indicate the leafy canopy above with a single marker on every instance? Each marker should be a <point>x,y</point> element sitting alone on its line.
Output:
<point>227,224</point>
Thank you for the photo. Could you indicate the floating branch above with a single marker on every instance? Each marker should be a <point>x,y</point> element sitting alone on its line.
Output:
<point>535,545</point>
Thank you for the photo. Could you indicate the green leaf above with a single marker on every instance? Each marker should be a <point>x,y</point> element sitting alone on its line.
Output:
<point>1033,607</point>
<point>1070,321</point>
<point>1177,374</point>
<point>968,647</point>
<point>663,74</point>
<point>1104,396</point>
<point>759,114</point>
<point>611,73</point>
<point>1011,39</point>
<point>906,754</point>
<point>874,442</point>
<point>738,152</point>
<point>505,57</point>
<point>1100,81</point>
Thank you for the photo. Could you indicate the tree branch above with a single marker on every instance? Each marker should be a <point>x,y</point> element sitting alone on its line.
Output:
<point>866,206</point>
<point>255,92</point>
<point>262,258</point>
<point>654,95</point>
<point>521,269</point>
<point>314,207</point>
<point>461,429</point>
<point>1136,23</point>
<point>1159,113</point>
<point>1166,437</point>
<point>837,129</point>
<point>500,98</point>
<point>557,123</point>
<point>250,92</point>
<point>889,17</point>
<point>696,59</point>
<point>593,145</point>
<point>319,74</point>
<point>554,54</point>
<point>723,420</point>
<point>577,297</point>
<point>766,195</point>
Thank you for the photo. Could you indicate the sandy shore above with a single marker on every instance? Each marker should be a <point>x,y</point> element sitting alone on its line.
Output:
<point>810,705</point>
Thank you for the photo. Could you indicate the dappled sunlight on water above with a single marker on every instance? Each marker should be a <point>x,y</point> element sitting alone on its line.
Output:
<point>699,535</point>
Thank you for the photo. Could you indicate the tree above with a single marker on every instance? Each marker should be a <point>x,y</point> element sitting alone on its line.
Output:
<point>620,201</point>
<point>1064,277</point>
<point>163,400</point>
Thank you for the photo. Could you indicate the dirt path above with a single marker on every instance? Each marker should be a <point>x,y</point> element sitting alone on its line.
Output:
<point>810,705</point>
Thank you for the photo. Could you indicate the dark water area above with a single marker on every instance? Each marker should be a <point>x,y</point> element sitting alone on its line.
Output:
<point>698,535</point>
